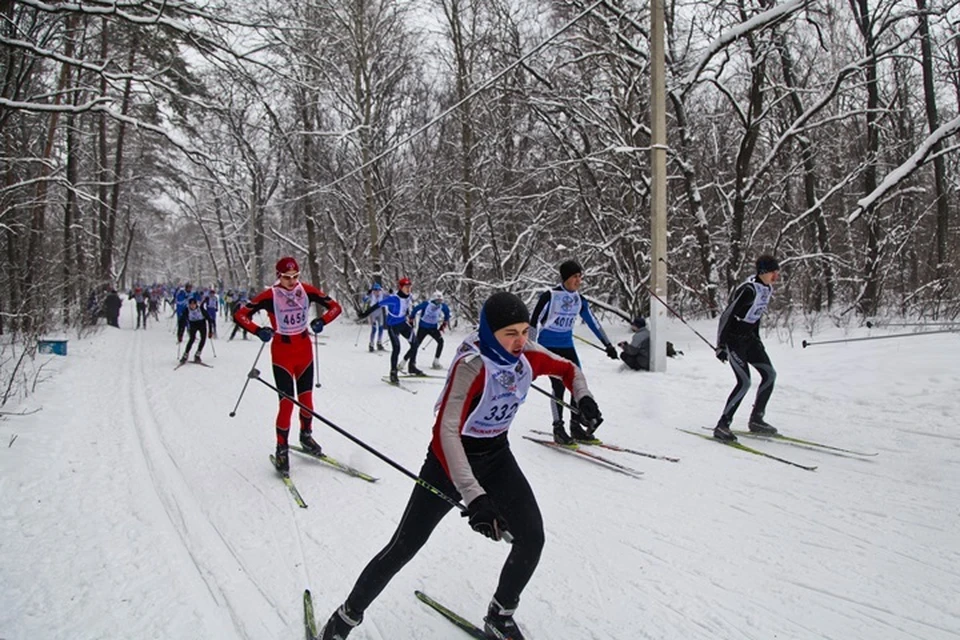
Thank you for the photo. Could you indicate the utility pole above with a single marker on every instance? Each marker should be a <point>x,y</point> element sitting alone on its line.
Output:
<point>658,190</point>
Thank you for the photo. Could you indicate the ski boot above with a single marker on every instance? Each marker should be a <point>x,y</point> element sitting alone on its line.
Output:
<point>758,425</point>
<point>414,371</point>
<point>371,347</point>
<point>282,458</point>
<point>560,434</point>
<point>722,431</point>
<point>394,378</point>
<point>310,445</point>
<point>183,360</point>
<point>197,359</point>
<point>579,434</point>
<point>380,347</point>
<point>499,623</point>
<point>340,624</point>
<point>436,364</point>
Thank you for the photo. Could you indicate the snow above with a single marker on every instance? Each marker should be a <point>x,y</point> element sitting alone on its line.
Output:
<point>132,506</point>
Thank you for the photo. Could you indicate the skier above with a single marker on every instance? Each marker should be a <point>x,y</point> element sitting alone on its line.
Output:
<point>141,298</point>
<point>556,313</point>
<point>238,303</point>
<point>397,306</point>
<point>196,318</point>
<point>212,304</point>
<point>469,457</point>
<point>180,299</point>
<point>373,297</point>
<point>430,312</point>
<point>738,340</point>
<point>287,303</point>
<point>111,308</point>
<point>636,353</point>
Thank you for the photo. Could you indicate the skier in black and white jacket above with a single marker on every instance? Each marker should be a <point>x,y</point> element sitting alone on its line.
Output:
<point>738,341</point>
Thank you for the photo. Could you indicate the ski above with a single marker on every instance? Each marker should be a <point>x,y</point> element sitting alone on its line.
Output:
<point>309,621</point>
<point>614,447</point>
<point>398,385</point>
<point>465,625</point>
<point>592,457</point>
<point>287,481</point>
<point>799,442</point>
<point>743,447</point>
<point>336,464</point>
<point>426,376</point>
<point>202,364</point>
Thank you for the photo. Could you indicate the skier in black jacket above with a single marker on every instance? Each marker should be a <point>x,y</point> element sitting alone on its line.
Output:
<point>738,340</point>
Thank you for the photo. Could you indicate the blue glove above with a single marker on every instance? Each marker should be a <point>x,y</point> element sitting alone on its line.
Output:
<point>317,325</point>
<point>265,334</point>
<point>485,518</point>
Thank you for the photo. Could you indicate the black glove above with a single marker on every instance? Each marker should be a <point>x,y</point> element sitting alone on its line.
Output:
<point>612,352</point>
<point>722,353</point>
<point>317,325</point>
<point>590,416</point>
<point>485,518</point>
<point>265,334</point>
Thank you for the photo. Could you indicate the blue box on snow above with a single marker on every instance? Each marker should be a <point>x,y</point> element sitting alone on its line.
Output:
<point>56,347</point>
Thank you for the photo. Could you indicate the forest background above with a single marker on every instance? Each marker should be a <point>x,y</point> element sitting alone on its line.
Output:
<point>472,145</point>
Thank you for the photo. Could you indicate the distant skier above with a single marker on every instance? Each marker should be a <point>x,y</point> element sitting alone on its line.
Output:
<point>376,320</point>
<point>469,457</point>
<point>431,311</point>
<point>287,303</point>
<point>196,317</point>
<point>738,340</point>
<point>111,308</point>
<point>399,323</point>
<point>212,304</point>
<point>556,314</point>
<point>141,298</point>
<point>180,299</point>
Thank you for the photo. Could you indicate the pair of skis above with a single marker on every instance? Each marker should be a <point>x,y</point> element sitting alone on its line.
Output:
<point>202,364</point>
<point>408,378</point>
<point>798,442</point>
<point>614,447</point>
<point>599,460</point>
<point>472,630</point>
<point>332,462</point>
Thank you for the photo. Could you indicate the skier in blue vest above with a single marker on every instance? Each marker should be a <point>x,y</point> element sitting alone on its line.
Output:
<point>373,297</point>
<point>738,341</point>
<point>553,319</point>
<point>399,323</point>
<point>430,312</point>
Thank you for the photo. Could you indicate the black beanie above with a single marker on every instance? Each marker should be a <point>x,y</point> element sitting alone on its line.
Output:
<point>767,263</point>
<point>569,268</point>
<point>503,309</point>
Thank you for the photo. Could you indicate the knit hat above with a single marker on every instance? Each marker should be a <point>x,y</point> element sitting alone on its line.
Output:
<point>638,322</point>
<point>503,309</point>
<point>767,263</point>
<point>376,286</point>
<point>286,265</point>
<point>569,268</point>
<point>402,282</point>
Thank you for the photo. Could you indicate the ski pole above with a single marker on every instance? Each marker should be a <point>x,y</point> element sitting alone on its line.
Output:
<point>945,323</point>
<point>357,341</point>
<point>247,381</point>
<point>255,374</point>
<point>680,317</point>
<point>212,348</point>
<point>424,343</point>
<point>316,359</point>
<point>896,335</point>
<point>555,399</point>
<point>592,344</point>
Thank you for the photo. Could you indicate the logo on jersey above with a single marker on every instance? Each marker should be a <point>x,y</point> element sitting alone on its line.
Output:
<point>567,303</point>
<point>507,380</point>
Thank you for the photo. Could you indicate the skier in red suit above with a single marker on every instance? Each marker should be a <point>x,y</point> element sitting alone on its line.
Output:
<point>287,303</point>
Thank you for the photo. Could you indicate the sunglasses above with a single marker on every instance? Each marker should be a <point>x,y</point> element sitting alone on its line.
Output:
<point>290,276</point>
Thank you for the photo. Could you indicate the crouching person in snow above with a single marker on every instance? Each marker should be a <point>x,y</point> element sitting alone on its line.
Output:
<point>287,304</point>
<point>636,353</point>
<point>196,322</point>
<point>469,457</point>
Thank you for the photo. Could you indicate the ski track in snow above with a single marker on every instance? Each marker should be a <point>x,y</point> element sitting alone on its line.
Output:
<point>133,506</point>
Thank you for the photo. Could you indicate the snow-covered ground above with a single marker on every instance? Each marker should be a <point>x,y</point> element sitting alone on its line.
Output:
<point>133,506</point>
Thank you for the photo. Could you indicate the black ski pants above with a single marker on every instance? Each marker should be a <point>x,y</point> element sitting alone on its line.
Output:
<point>195,327</point>
<point>501,477</point>
<point>741,354</point>
<point>570,354</point>
<point>394,332</point>
<point>434,333</point>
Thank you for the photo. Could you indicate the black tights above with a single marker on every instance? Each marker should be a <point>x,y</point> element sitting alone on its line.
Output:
<point>502,479</point>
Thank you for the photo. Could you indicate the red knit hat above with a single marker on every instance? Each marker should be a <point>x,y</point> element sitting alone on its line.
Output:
<point>402,282</point>
<point>286,265</point>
